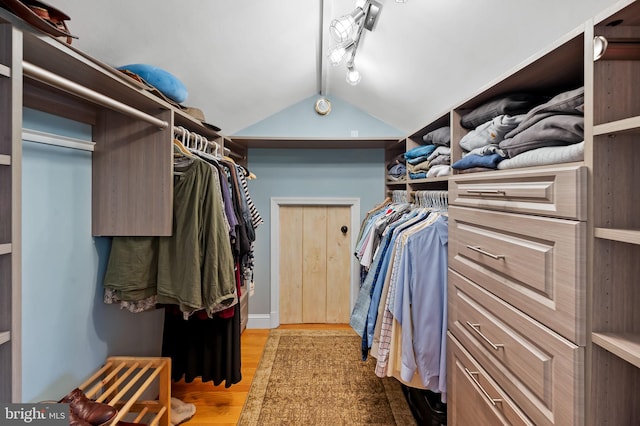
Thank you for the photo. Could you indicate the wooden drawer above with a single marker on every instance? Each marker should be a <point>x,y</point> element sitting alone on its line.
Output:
<point>557,192</point>
<point>540,370</point>
<point>474,398</point>
<point>535,263</point>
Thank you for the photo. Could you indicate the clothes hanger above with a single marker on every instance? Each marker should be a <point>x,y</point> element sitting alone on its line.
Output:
<point>180,145</point>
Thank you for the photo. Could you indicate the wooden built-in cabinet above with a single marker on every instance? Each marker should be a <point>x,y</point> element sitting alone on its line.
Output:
<point>132,182</point>
<point>615,222</point>
<point>517,290</point>
<point>10,211</point>
<point>412,141</point>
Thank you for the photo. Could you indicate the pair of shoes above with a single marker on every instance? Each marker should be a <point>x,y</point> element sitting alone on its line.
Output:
<point>86,411</point>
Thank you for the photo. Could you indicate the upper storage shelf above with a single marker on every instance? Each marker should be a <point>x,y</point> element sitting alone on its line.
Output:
<point>557,70</point>
<point>559,67</point>
<point>132,179</point>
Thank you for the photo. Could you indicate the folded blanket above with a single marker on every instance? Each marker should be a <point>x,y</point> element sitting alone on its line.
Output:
<point>398,159</point>
<point>441,136</point>
<point>488,149</point>
<point>441,150</point>
<point>472,160</point>
<point>476,170</point>
<point>420,151</point>
<point>417,175</point>
<point>544,156</point>
<point>490,132</point>
<point>510,104</point>
<point>439,160</point>
<point>439,170</point>
<point>398,170</point>
<point>426,165</point>
<point>420,167</point>
<point>555,130</point>
<point>566,103</point>
<point>417,160</point>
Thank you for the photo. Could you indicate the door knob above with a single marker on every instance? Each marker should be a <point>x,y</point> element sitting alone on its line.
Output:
<point>344,229</point>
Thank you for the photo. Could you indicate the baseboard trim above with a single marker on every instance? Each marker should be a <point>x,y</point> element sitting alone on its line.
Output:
<point>262,321</point>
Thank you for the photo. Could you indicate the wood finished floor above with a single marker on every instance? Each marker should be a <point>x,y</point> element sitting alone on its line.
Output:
<point>217,405</point>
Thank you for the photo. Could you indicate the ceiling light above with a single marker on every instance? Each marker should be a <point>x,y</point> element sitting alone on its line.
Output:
<point>347,31</point>
<point>344,28</point>
<point>338,53</point>
<point>353,76</point>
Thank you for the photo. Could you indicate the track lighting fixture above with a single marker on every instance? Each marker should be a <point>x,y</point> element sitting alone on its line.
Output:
<point>353,76</point>
<point>347,30</point>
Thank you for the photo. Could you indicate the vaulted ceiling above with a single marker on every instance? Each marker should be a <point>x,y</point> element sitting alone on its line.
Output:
<point>244,60</point>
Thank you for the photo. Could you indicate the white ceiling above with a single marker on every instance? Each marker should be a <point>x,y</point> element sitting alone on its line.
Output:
<point>244,60</point>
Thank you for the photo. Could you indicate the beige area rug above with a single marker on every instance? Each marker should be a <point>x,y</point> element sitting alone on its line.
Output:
<point>317,377</point>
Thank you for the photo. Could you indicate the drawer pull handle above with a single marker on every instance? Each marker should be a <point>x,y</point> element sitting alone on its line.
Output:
<point>486,253</point>
<point>476,328</point>
<point>486,191</point>
<point>472,377</point>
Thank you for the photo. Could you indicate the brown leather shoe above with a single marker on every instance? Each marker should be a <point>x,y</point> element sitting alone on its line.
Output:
<point>95,413</point>
<point>74,420</point>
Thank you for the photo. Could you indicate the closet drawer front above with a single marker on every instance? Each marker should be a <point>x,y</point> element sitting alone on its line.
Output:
<point>474,397</point>
<point>537,264</point>
<point>557,192</point>
<point>540,370</point>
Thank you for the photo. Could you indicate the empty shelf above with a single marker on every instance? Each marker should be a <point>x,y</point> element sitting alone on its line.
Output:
<point>631,124</point>
<point>630,236</point>
<point>624,345</point>
<point>5,336</point>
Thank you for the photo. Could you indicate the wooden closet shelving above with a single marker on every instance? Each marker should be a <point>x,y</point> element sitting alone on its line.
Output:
<point>5,336</point>
<point>132,181</point>
<point>615,323</point>
<point>128,200</point>
<point>630,125</point>
<point>517,270</point>
<point>10,212</point>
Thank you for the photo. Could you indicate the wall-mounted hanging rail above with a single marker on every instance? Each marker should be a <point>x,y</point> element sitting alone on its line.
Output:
<point>44,76</point>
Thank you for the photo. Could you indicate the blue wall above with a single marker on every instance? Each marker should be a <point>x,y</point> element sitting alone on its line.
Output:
<point>301,121</point>
<point>353,173</point>
<point>67,331</point>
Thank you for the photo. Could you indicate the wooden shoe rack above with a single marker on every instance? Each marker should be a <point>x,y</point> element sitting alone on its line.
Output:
<point>125,384</point>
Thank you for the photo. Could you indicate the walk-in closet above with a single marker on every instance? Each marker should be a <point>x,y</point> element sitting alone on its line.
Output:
<point>319,212</point>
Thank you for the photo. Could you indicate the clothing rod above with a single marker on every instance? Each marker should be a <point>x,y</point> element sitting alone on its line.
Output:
<point>226,151</point>
<point>234,155</point>
<point>30,135</point>
<point>55,80</point>
<point>435,191</point>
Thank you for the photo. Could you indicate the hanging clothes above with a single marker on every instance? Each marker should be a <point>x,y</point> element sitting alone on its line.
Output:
<point>196,273</point>
<point>193,268</point>
<point>404,293</point>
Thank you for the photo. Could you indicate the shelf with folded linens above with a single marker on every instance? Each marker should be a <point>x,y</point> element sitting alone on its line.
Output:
<point>395,166</point>
<point>532,117</point>
<point>428,152</point>
<point>517,234</point>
